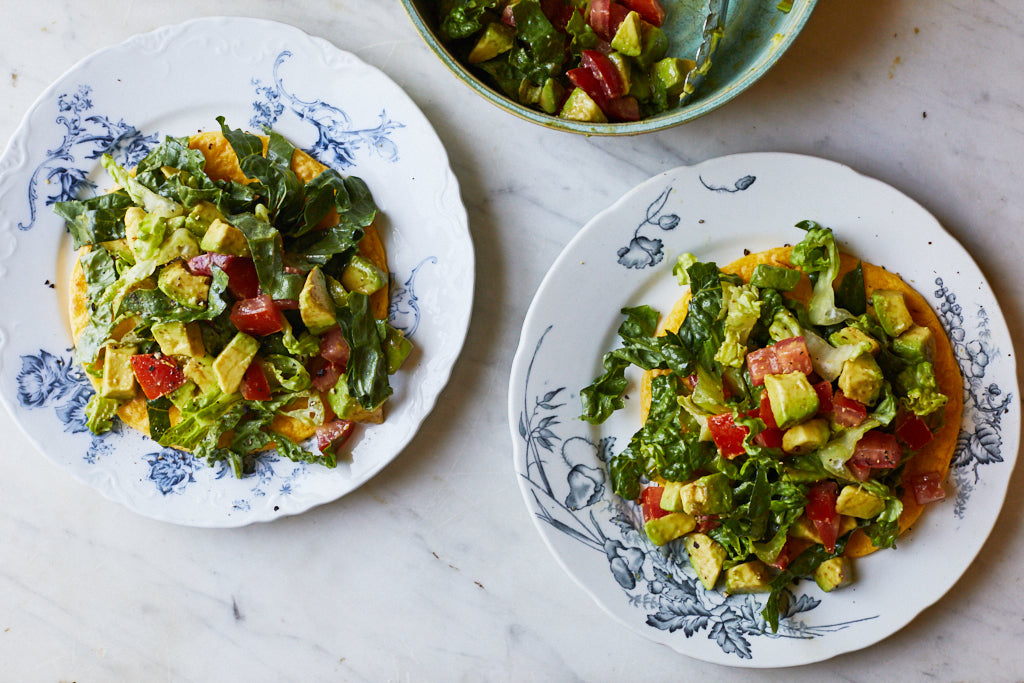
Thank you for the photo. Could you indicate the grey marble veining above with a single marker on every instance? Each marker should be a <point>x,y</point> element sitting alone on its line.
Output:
<point>433,570</point>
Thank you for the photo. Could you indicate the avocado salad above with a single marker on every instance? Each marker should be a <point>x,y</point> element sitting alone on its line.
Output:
<point>779,427</point>
<point>586,60</point>
<point>226,317</point>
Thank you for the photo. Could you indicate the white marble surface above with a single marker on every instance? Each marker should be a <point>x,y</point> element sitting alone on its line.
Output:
<point>433,570</point>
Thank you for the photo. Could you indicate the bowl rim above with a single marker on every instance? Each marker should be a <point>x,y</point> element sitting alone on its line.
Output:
<point>698,108</point>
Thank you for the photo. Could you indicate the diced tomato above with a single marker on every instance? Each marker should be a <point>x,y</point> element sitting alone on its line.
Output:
<point>859,472</point>
<point>761,362</point>
<point>792,356</point>
<point>821,510</point>
<point>617,14</point>
<point>706,523</point>
<point>258,316</point>
<point>769,438</point>
<point>846,411</point>
<point>332,435</point>
<point>334,348</point>
<point>727,435</point>
<point>287,304</point>
<point>624,109</point>
<point>650,503</point>
<point>605,72</point>
<point>824,392</point>
<point>764,412</point>
<point>558,13</point>
<point>649,10</point>
<point>877,450</point>
<point>254,384</point>
<point>600,18</point>
<point>586,81</point>
<point>243,282</point>
<point>508,16</point>
<point>926,487</point>
<point>912,431</point>
<point>323,373</point>
<point>158,375</point>
<point>691,381</point>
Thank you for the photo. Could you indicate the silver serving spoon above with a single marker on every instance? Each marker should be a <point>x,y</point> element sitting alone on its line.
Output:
<point>714,29</point>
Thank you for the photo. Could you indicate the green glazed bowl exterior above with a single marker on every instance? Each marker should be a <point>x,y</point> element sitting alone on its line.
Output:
<point>757,33</point>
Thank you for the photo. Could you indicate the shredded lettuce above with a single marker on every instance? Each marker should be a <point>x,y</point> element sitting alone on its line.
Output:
<point>818,256</point>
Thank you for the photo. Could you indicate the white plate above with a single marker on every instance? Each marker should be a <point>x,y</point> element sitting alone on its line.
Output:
<point>624,257</point>
<point>176,81</point>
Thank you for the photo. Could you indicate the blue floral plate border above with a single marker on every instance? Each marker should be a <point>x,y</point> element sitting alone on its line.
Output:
<point>175,81</point>
<point>718,210</point>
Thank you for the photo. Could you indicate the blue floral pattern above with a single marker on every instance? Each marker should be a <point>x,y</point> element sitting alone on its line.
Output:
<point>643,251</point>
<point>338,141</point>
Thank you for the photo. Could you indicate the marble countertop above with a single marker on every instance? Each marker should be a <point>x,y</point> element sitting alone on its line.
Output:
<point>433,570</point>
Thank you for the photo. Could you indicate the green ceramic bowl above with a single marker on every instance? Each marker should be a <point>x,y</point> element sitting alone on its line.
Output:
<point>756,35</point>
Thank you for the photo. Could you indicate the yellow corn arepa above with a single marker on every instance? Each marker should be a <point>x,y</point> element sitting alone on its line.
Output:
<point>222,164</point>
<point>937,454</point>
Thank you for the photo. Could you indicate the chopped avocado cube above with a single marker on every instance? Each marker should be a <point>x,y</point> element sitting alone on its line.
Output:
<point>806,437</point>
<point>231,363</point>
<point>628,39</point>
<point>709,495</point>
<point>775,277</point>
<point>223,238</point>
<point>670,499</point>
<point>862,379</point>
<point>748,577</point>
<point>707,557</point>
<point>915,344</point>
<point>798,476</point>
<point>496,39</point>
<point>670,74</point>
<point>180,244</point>
<point>891,310</point>
<point>346,407</point>
<point>639,86</point>
<point>804,528</point>
<point>855,335</point>
<point>551,95</point>
<point>792,398</point>
<point>120,249</point>
<point>118,377</point>
<point>201,216</point>
<point>316,306</point>
<point>856,502</point>
<point>528,92</point>
<point>132,228</point>
<point>669,527</point>
<point>199,369</point>
<point>177,338</point>
<point>396,347</point>
<point>361,275</point>
<point>338,294</point>
<point>179,284</point>
<point>833,573</point>
<point>655,44</point>
<point>579,106</point>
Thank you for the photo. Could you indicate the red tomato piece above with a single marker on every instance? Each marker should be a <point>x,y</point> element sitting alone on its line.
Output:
<point>706,523</point>
<point>769,438</point>
<point>912,431</point>
<point>691,381</point>
<point>332,435</point>
<point>824,392</point>
<point>323,373</point>
<point>508,17</point>
<point>877,450</point>
<point>650,503</point>
<point>585,80</point>
<point>258,316</point>
<point>791,355</point>
<point>926,487</point>
<point>334,348</point>
<point>254,384</point>
<point>158,375</point>
<point>821,510</point>
<point>764,412</point>
<point>624,109</point>
<point>287,304</point>
<point>599,17</point>
<point>848,412</point>
<point>761,362</point>
<point>558,13</point>
<point>605,72</point>
<point>859,472</point>
<point>649,10</point>
<point>243,282</point>
<point>727,435</point>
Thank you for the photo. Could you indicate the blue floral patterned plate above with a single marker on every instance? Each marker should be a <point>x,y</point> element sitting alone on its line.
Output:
<point>624,257</point>
<point>176,81</point>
